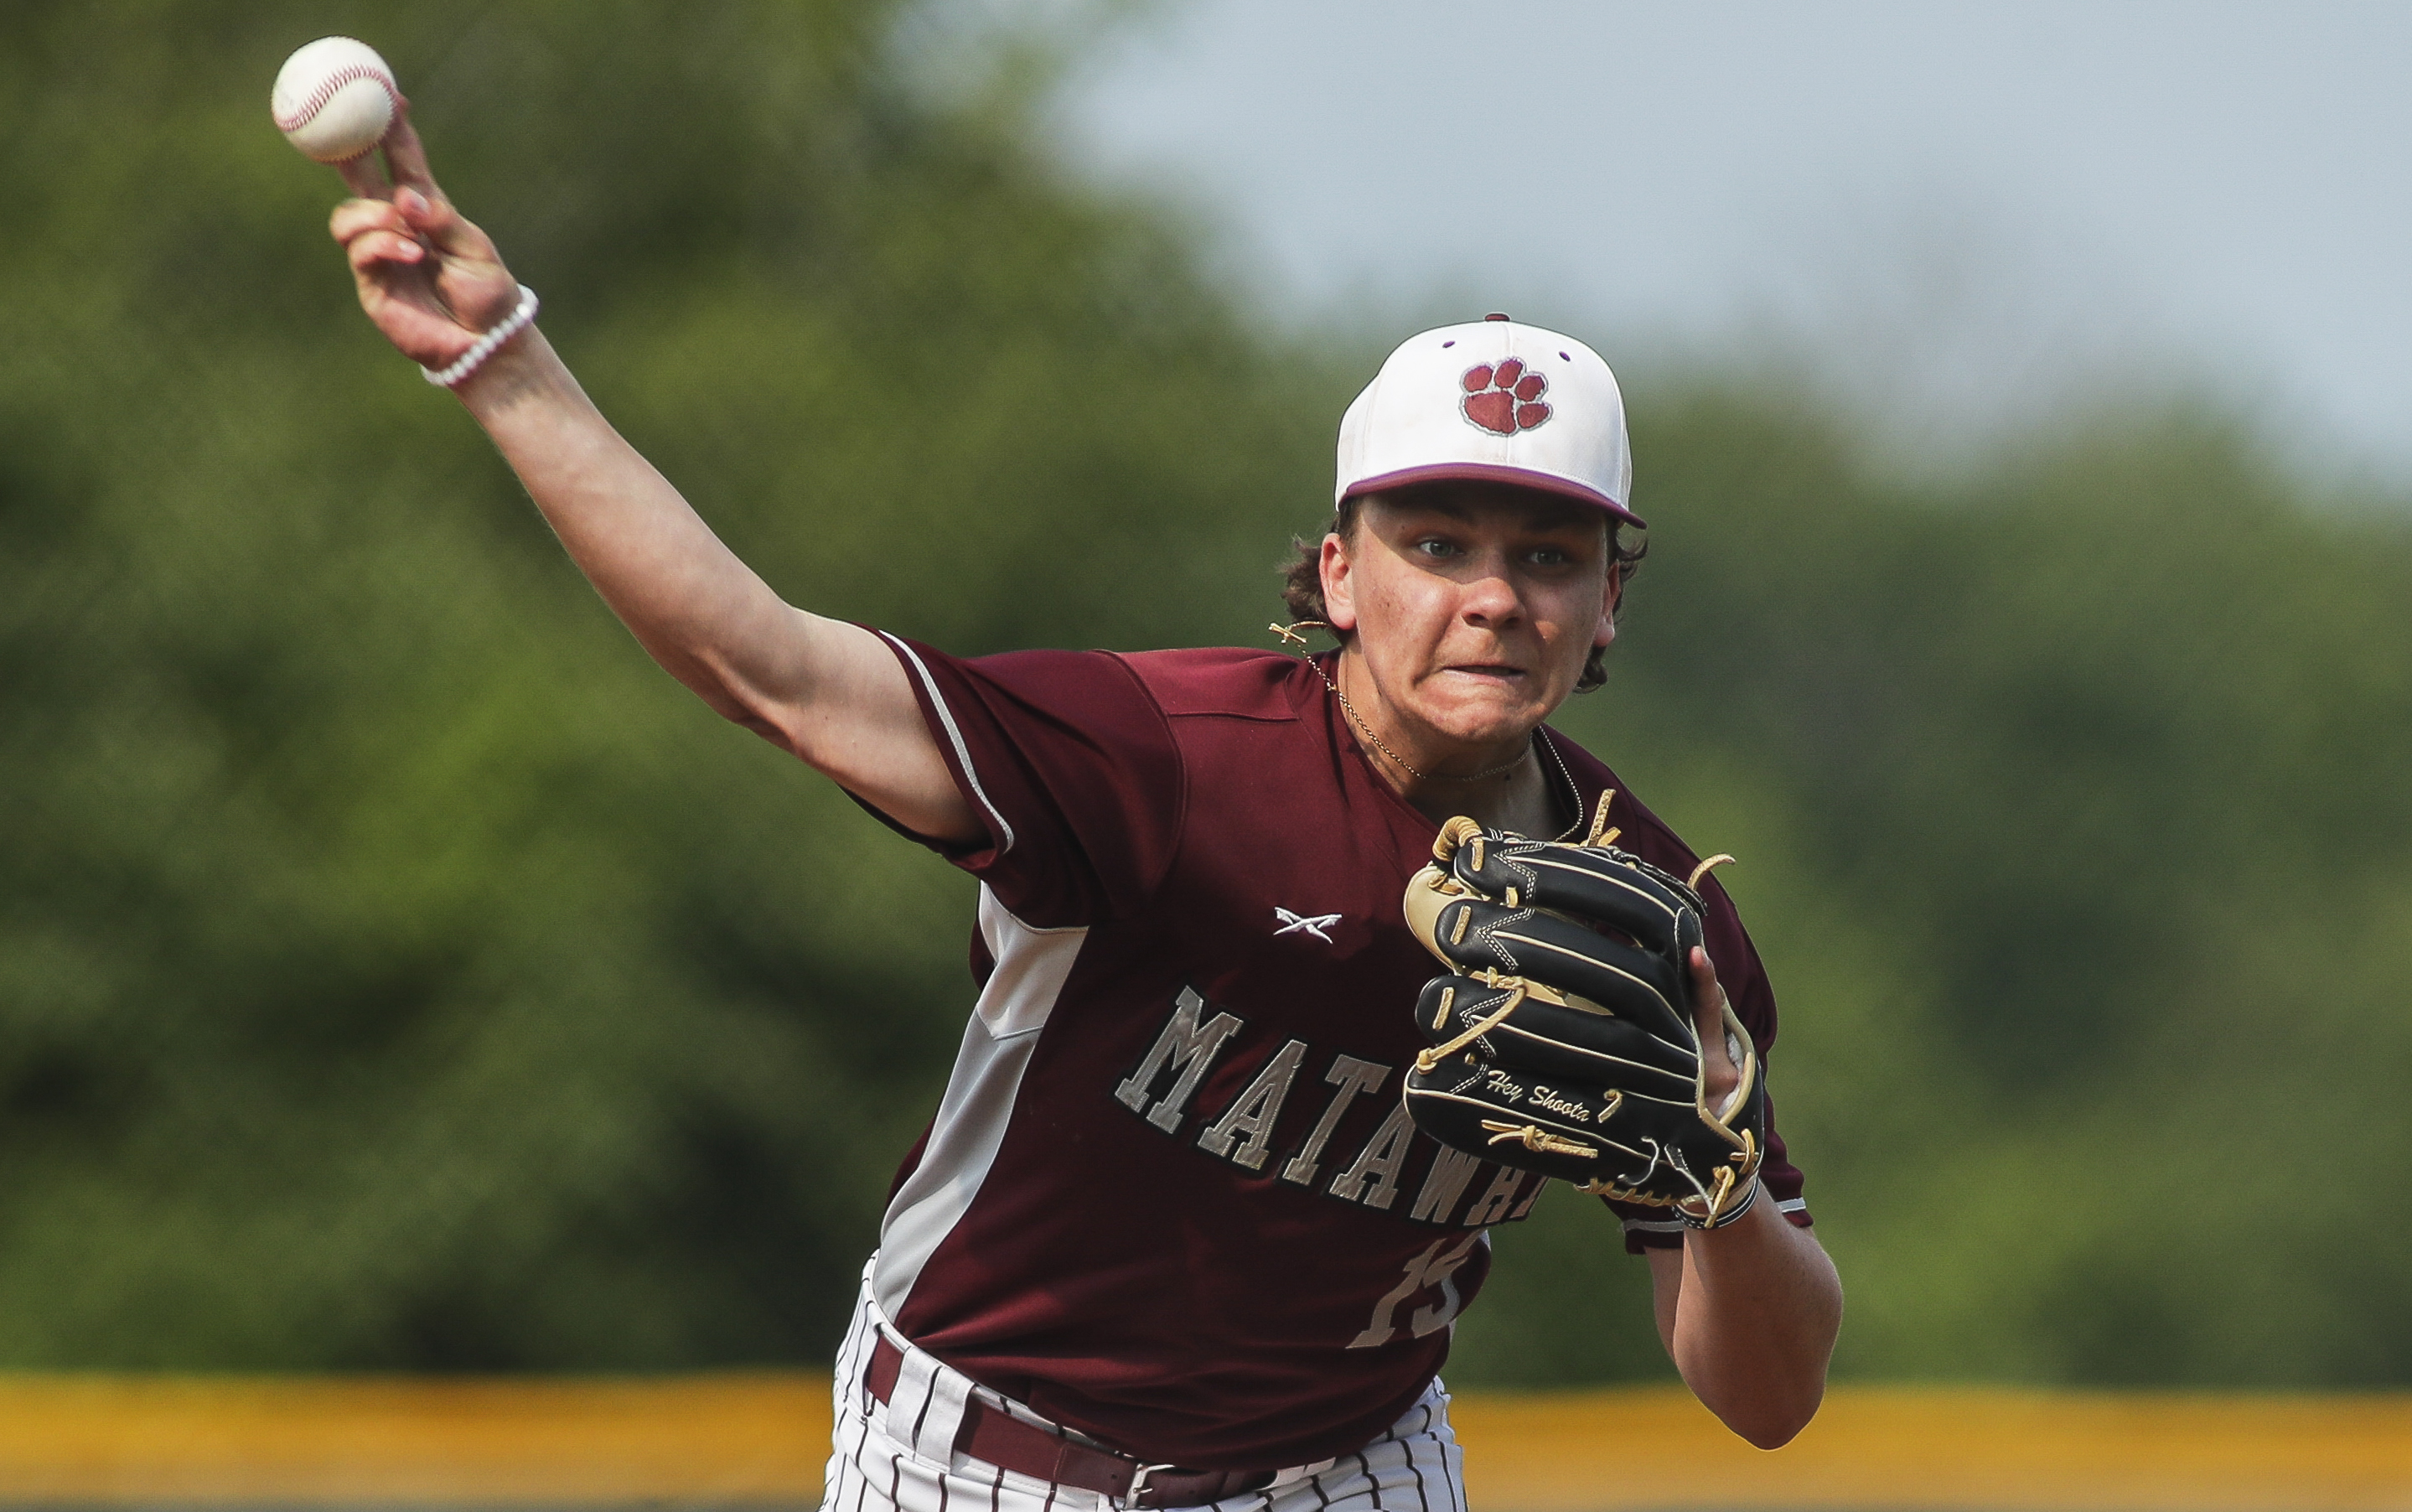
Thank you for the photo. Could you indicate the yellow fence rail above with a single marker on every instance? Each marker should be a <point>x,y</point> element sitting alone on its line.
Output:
<point>761,1439</point>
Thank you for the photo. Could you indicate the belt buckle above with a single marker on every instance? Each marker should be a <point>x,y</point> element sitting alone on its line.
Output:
<point>1139,1483</point>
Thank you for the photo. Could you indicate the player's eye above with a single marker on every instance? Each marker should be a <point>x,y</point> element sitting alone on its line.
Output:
<point>1435,548</point>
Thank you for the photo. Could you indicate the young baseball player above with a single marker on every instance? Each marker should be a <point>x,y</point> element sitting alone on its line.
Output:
<point>1172,1238</point>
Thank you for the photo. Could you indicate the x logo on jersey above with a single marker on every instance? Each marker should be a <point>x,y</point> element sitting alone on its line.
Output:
<point>1312,924</point>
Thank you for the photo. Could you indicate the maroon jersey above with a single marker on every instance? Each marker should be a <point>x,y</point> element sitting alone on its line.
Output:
<point>1171,1197</point>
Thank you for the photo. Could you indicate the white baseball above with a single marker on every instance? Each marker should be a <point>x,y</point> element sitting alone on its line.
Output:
<point>334,98</point>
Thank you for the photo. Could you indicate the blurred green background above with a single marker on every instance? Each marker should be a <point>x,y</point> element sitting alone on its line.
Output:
<point>397,971</point>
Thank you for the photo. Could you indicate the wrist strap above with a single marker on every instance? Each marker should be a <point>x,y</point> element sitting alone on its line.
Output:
<point>475,358</point>
<point>1733,1208</point>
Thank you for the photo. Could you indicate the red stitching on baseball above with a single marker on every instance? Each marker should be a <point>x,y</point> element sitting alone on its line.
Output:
<point>350,73</point>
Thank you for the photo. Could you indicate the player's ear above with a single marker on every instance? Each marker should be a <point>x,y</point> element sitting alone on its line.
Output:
<point>1606,633</point>
<point>1339,586</point>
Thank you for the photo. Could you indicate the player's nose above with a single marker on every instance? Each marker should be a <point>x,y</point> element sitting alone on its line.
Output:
<point>1489,598</point>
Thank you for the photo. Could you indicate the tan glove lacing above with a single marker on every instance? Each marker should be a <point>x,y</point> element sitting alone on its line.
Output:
<point>1427,1059</point>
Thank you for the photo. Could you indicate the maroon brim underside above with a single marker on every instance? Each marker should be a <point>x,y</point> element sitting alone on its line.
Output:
<point>1475,472</point>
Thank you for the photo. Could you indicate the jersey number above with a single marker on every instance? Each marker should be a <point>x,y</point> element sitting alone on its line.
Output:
<point>1435,1266</point>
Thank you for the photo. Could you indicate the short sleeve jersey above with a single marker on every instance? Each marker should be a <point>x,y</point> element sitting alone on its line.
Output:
<point>1172,1198</point>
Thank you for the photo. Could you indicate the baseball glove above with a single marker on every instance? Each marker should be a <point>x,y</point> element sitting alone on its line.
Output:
<point>1563,1037</point>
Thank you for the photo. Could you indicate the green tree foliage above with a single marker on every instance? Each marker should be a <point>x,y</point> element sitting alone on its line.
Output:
<point>2071,828</point>
<point>397,971</point>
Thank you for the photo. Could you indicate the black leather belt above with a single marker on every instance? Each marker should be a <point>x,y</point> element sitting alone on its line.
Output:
<point>1000,1439</point>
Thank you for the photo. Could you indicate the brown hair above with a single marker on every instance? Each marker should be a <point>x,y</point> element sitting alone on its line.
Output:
<point>1302,580</point>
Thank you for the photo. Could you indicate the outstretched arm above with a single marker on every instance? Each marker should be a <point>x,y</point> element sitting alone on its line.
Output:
<point>1749,1312</point>
<point>828,691</point>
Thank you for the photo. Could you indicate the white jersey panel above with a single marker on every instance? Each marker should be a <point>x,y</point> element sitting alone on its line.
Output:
<point>1031,967</point>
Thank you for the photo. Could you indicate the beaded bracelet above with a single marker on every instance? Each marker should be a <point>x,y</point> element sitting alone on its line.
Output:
<point>475,356</point>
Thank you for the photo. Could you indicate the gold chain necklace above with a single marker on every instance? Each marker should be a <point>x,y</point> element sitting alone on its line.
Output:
<point>1505,767</point>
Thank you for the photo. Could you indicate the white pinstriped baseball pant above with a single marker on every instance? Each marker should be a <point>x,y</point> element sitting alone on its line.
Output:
<point>898,1456</point>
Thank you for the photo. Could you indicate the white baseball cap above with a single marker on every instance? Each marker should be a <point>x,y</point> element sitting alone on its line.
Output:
<point>1495,402</point>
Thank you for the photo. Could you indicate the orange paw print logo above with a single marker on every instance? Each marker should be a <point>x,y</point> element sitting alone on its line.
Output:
<point>1506,399</point>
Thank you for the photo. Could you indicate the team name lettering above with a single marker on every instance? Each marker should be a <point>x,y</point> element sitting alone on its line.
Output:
<point>1186,1048</point>
<point>1253,1113</point>
<point>1491,1207</point>
<point>1523,1204</point>
<point>1248,1131</point>
<point>1443,1185</point>
<point>1352,1077</point>
<point>1373,1179</point>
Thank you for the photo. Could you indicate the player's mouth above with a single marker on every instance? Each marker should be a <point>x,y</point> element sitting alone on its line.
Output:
<point>1499,672</point>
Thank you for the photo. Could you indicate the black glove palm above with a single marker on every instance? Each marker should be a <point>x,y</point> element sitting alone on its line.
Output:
<point>1564,1039</point>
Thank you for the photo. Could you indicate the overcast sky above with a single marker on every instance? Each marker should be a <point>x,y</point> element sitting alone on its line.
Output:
<point>1959,208</point>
